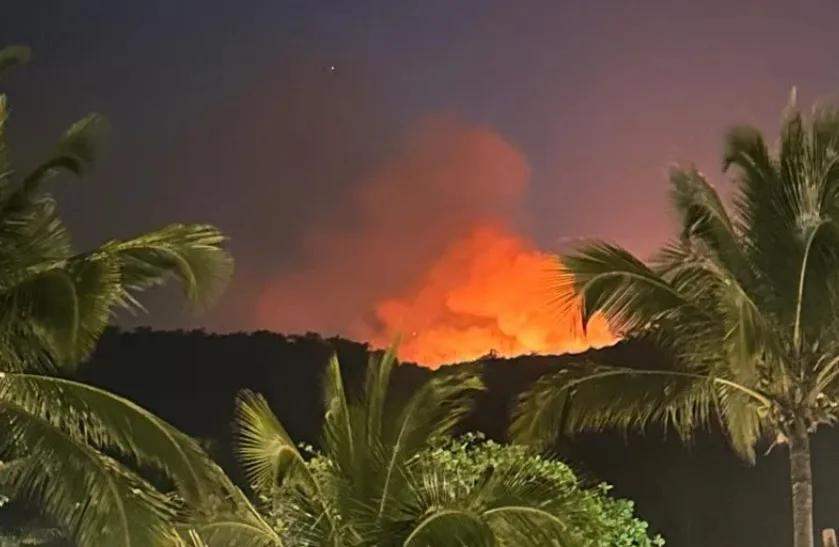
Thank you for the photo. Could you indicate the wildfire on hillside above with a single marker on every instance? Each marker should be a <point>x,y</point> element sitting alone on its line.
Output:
<point>485,293</point>
<point>432,257</point>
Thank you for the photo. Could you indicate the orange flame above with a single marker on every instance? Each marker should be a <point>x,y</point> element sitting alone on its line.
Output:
<point>430,256</point>
<point>486,293</point>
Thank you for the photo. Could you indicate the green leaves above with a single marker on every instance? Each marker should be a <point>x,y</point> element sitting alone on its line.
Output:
<point>236,531</point>
<point>365,481</point>
<point>703,218</point>
<point>599,398</point>
<point>265,450</point>
<point>391,474</point>
<point>58,300</point>
<point>75,154</point>
<point>66,306</point>
<point>192,255</point>
<point>613,282</point>
<point>504,503</point>
<point>485,493</point>
<point>12,56</point>
<point>233,522</point>
<point>788,217</point>
<point>339,435</point>
<point>743,302</point>
<point>66,303</point>
<point>76,442</point>
<point>95,417</point>
<point>95,498</point>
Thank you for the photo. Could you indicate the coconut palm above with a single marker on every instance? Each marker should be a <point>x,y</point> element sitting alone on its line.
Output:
<point>372,485</point>
<point>71,447</point>
<point>743,300</point>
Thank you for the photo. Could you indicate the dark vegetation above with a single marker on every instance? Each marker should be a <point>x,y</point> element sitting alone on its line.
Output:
<point>76,452</point>
<point>696,495</point>
<point>746,307</point>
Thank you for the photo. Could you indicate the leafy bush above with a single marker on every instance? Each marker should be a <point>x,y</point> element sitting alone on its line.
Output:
<point>598,520</point>
<point>595,518</point>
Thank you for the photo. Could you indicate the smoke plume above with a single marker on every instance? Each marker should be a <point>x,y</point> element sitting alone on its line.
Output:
<point>431,255</point>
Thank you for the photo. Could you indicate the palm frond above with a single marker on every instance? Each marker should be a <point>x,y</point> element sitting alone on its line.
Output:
<point>66,307</point>
<point>521,508</point>
<point>369,445</point>
<point>593,399</point>
<point>746,150</point>
<point>750,340</point>
<point>39,292</point>
<point>611,281</point>
<point>325,520</point>
<point>810,171</point>
<point>432,412</point>
<point>193,254</point>
<point>766,217</point>
<point>711,265</point>
<point>508,505</point>
<point>223,532</point>
<point>32,238</point>
<point>265,450</point>
<point>87,414</point>
<point>5,163</point>
<point>741,418</point>
<point>696,298</point>
<point>32,533</point>
<point>826,373</point>
<point>13,56</point>
<point>188,537</point>
<point>35,282</point>
<point>703,216</point>
<point>75,154</point>
<point>235,522</point>
<point>731,330</point>
<point>452,527</point>
<point>377,381</point>
<point>228,517</point>
<point>68,303</point>
<point>95,499</point>
<point>272,463</point>
<point>54,305</point>
<point>789,211</point>
<point>338,434</point>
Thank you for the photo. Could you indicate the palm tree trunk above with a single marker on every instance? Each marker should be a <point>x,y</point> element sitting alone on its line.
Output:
<point>801,478</point>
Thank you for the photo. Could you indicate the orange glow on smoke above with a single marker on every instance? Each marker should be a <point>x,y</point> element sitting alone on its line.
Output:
<point>429,254</point>
<point>486,293</point>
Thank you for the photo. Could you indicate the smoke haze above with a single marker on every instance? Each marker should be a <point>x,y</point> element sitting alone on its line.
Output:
<point>431,256</point>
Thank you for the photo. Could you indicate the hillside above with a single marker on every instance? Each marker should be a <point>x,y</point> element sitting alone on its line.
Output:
<point>698,496</point>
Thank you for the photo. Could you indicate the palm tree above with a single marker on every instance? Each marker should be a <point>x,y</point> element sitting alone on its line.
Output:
<point>743,302</point>
<point>70,447</point>
<point>372,485</point>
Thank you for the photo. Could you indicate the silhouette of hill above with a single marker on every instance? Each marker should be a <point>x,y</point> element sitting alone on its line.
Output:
<point>700,495</point>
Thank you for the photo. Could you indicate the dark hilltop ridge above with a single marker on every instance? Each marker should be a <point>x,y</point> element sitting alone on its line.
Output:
<point>693,494</point>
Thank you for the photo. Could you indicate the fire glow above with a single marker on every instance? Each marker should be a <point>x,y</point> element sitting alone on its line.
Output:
<point>433,259</point>
<point>486,293</point>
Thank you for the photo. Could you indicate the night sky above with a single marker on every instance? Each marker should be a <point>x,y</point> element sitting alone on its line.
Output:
<point>276,121</point>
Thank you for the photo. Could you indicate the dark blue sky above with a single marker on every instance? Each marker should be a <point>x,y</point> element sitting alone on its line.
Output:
<point>228,112</point>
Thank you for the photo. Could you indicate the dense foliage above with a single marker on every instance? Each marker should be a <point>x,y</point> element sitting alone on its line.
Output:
<point>744,301</point>
<point>595,519</point>
<point>69,447</point>
<point>390,474</point>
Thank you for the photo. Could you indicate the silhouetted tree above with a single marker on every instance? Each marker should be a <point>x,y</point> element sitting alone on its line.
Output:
<point>745,304</point>
<point>700,494</point>
<point>55,302</point>
<point>376,483</point>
